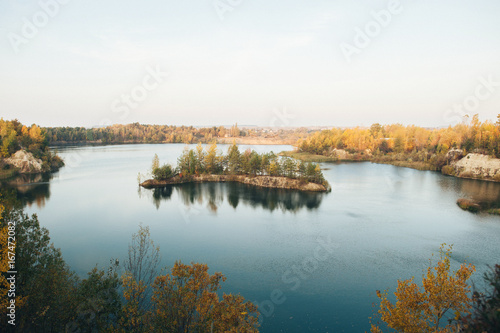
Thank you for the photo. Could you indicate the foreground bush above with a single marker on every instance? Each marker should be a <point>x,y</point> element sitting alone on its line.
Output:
<point>444,297</point>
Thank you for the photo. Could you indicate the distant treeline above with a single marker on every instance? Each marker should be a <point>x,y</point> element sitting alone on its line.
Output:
<point>212,161</point>
<point>474,135</point>
<point>137,133</point>
<point>398,142</point>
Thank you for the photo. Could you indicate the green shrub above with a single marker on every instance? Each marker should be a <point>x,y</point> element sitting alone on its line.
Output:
<point>164,172</point>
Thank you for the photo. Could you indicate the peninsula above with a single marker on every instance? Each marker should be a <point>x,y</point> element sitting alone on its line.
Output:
<point>24,150</point>
<point>248,167</point>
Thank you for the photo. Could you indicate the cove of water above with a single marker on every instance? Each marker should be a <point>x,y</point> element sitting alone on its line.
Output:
<point>312,261</point>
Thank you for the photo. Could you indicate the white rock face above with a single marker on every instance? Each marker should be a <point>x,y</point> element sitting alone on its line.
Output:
<point>478,165</point>
<point>25,162</point>
<point>341,154</point>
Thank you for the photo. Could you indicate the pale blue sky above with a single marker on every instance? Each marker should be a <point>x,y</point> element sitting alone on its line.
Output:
<point>263,60</point>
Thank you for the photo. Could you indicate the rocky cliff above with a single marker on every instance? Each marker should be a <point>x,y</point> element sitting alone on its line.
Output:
<point>25,162</point>
<point>262,181</point>
<point>478,166</point>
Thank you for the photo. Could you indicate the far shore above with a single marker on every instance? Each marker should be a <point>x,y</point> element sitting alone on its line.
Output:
<point>228,140</point>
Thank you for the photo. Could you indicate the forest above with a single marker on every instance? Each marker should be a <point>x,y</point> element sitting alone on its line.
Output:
<point>396,142</point>
<point>15,136</point>
<point>212,161</point>
<point>142,133</point>
<point>132,294</point>
<point>137,133</point>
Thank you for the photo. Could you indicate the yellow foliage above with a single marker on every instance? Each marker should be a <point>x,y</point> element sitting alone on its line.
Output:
<point>133,319</point>
<point>186,301</point>
<point>35,133</point>
<point>424,309</point>
<point>405,139</point>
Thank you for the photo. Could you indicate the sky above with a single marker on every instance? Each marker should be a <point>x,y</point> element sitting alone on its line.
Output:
<point>252,62</point>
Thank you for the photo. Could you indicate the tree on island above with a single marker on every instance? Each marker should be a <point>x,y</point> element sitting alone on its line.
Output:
<point>212,161</point>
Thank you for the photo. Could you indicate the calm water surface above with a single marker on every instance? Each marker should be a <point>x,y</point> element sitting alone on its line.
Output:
<point>311,261</point>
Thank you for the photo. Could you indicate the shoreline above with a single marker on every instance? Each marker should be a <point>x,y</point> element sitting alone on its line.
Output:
<point>238,140</point>
<point>260,181</point>
<point>416,165</point>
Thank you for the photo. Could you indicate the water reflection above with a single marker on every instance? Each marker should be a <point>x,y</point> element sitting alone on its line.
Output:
<point>28,189</point>
<point>236,194</point>
<point>485,192</point>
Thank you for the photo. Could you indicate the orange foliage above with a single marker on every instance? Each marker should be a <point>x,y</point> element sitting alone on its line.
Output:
<point>484,137</point>
<point>186,301</point>
<point>417,310</point>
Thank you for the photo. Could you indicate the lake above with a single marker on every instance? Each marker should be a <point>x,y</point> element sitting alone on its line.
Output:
<point>311,261</point>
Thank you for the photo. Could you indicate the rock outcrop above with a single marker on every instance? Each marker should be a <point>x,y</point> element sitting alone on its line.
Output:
<point>478,166</point>
<point>262,181</point>
<point>25,162</point>
<point>340,154</point>
<point>454,154</point>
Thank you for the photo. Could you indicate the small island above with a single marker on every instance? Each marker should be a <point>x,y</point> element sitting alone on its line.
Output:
<point>248,167</point>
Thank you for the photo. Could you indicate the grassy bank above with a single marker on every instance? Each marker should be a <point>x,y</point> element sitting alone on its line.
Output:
<point>408,164</point>
<point>478,207</point>
<point>307,157</point>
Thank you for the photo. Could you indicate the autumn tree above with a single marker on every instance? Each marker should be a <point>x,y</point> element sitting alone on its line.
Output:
<point>133,318</point>
<point>200,159</point>
<point>212,160</point>
<point>186,301</point>
<point>444,295</point>
<point>155,164</point>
